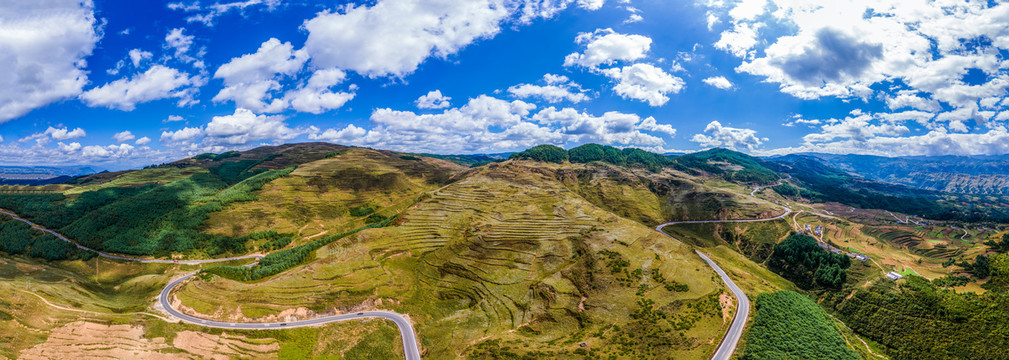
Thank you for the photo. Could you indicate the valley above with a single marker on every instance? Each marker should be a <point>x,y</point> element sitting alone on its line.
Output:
<point>320,249</point>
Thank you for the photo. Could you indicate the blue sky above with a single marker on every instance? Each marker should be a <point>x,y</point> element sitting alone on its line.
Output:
<point>128,83</point>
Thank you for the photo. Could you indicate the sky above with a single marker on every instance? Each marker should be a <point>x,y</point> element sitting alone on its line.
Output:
<point>123,84</point>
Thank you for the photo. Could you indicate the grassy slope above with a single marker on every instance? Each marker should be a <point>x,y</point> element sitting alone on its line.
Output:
<point>507,255</point>
<point>653,198</point>
<point>318,196</point>
<point>105,293</point>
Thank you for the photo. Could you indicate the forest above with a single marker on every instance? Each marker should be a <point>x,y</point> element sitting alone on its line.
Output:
<point>156,219</point>
<point>20,238</point>
<point>917,320</point>
<point>800,258</point>
<point>789,325</point>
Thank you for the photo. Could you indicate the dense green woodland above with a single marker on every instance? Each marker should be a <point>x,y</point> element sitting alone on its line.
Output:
<point>789,325</point>
<point>152,219</point>
<point>800,258</point>
<point>918,321</point>
<point>19,238</point>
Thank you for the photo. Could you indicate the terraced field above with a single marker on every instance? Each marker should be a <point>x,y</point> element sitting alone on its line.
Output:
<point>508,256</point>
<point>321,196</point>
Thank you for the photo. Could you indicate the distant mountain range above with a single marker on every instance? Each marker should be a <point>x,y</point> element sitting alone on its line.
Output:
<point>41,175</point>
<point>955,174</point>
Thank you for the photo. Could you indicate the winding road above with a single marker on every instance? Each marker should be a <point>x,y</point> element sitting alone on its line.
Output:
<point>731,339</point>
<point>411,349</point>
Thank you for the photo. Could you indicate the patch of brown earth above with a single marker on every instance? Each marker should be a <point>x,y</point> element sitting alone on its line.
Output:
<point>727,305</point>
<point>87,340</point>
<point>207,346</point>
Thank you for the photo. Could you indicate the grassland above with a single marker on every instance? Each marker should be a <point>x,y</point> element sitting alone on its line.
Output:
<point>320,197</point>
<point>506,256</point>
<point>101,308</point>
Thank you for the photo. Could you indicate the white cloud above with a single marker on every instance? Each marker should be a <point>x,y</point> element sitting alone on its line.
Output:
<point>605,46</point>
<point>173,118</point>
<point>558,88</point>
<point>908,100</point>
<point>249,79</point>
<point>64,134</point>
<point>719,82</point>
<point>51,133</point>
<point>42,50</point>
<point>934,143</point>
<point>244,127</point>
<point>238,130</point>
<point>644,82</point>
<point>591,4</point>
<point>486,124</point>
<point>137,55</point>
<point>748,9</point>
<point>433,100</point>
<point>179,41</point>
<point>69,148</point>
<point>124,136</point>
<point>740,40</point>
<point>348,134</point>
<point>158,82</point>
<point>716,135</point>
<point>858,128</point>
<point>181,135</point>
<point>633,18</point>
<point>393,37</point>
<point>143,141</point>
<point>712,21</point>
<point>918,51</point>
<point>206,15</point>
<point>315,96</point>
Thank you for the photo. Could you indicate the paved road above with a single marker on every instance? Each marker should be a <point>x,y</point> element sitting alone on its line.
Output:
<point>731,339</point>
<point>411,349</point>
<point>406,332</point>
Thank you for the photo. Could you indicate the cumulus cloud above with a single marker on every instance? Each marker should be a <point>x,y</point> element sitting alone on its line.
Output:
<point>644,82</point>
<point>605,46</point>
<point>124,136</point>
<point>394,37</point>
<point>244,127</point>
<point>238,130</point>
<point>51,66</point>
<point>716,135</point>
<point>719,82</point>
<point>433,100</point>
<point>315,96</point>
<point>179,41</point>
<point>64,134</point>
<point>158,82</point>
<point>913,55</point>
<point>486,124</point>
<point>137,55</point>
<point>556,88</point>
<point>933,143</point>
<point>143,141</point>
<point>249,79</point>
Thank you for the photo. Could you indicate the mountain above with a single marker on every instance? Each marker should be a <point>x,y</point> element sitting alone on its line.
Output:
<point>955,174</point>
<point>538,255</point>
<point>41,175</point>
<point>550,253</point>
